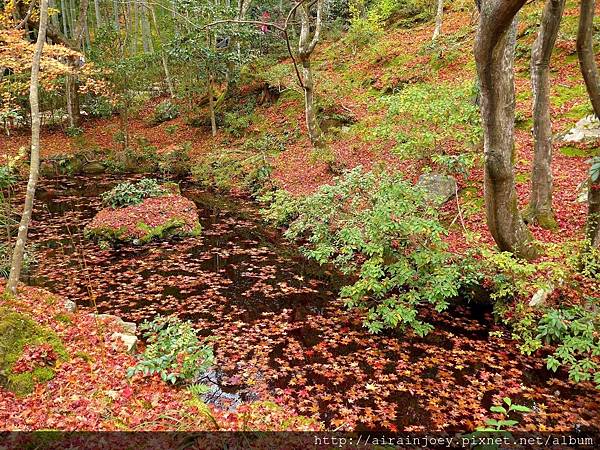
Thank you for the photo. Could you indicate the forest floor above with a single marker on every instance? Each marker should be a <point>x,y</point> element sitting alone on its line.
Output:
<point>360,84</point>
<point>89,391</point>
<point>360,88</point>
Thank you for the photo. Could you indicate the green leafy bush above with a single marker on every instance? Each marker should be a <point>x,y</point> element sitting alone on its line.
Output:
<point>97,106</point>
<point>174,351</point>
<point>8,177</point>
<point>164,111</point>
<point>281,207</point>
<point>380,228</point>
<point>176,161</point>
<point>576,333</point>
<point>431,114</point>
<point>236,123</point>
<point>244,169</point>
<point>6,258</point>
<point>127,194</point>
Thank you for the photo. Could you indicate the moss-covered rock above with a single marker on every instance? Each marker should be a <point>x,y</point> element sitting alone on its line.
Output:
<point>17,332</point>
<point>154,219</point>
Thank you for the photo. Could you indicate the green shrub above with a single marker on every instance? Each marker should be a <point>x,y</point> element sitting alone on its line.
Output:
<point>573,332</point>
<point>236,123</point>
<point>8,177</point>
<point>127,194</point>
<point>176,161</point>
<point>99,107</point>
<point>431,114</point>
<point>225,170</point>
<point>173,351</point>
<point>380,228</point>
<point>6,259</point>
<point>281,207</point>
<point>165,110</point>
<point>74,131</point>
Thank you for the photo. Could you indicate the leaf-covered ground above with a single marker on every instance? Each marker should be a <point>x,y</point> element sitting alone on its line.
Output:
<point>90,390</point>
<point>282,334</point>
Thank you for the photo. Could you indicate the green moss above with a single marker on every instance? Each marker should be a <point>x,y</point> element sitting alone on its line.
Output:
<point>106,234</point>
<point>16,332</point>
<point>563,94</point>
<point>64,318</point>
<point>83,355</point>
<point>579,111</point>
<point>172,227</point>
<point>575,152</point>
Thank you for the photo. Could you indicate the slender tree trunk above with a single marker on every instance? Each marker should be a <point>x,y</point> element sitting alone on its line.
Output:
<point>34,167</point>
<point>63,15</point>
<point>314,131</point>
<point>71,9</point>
<point>163,55</point>
<point>72,83</point>
<point>211,106</point>
<point>438,19</point>
<point>306,47</point>
<point>494,56</point>
<point>98,14</point>
<point>54,18</point>
<point>145,25</point>
<point>540,202</point>
<point>117,25</point>
<point>589,70</point>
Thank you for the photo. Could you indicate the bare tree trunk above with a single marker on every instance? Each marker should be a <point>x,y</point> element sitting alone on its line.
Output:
<point>34,167</point>
<point>63,14</point>
<point>117,25</point>
<point>589,70</point>
<point>494,56</point>
<point>211,106</point>
<point>163,56</point>
<point>540,201</point>
<point>145,26</point>
<point>54,18</point>
<point>72,84</point>
<point>98,14</point>
<point>314,131</point>
<point>438,19</point>
<point>306,47</point>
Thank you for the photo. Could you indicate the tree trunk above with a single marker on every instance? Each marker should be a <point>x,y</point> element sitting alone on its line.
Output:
<point>145,25</point>
<point>163,55</point>
<point>306,46</point>
<point>72,82</point>
<point>34,167</point>
<point>63,15</point>
<point>116,15</point>
<point>438,19</point>
<point>540,202</point>
<point>98,14</point>
<point>589,70</point>
<point>54,18</point>
<point>211,106</point>
<point>494,56</point>
<point>312,124</point>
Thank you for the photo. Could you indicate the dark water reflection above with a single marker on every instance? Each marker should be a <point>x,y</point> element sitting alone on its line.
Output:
<point>281,331</point>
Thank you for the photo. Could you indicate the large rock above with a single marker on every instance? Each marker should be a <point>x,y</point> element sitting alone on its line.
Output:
<point>127,339</point>
<point>438,188</point>
<point>587,129</point>
<point>126,327</point>
<point>93,168</point>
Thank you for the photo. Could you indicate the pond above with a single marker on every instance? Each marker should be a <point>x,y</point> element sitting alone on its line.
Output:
<point>281,331</point>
